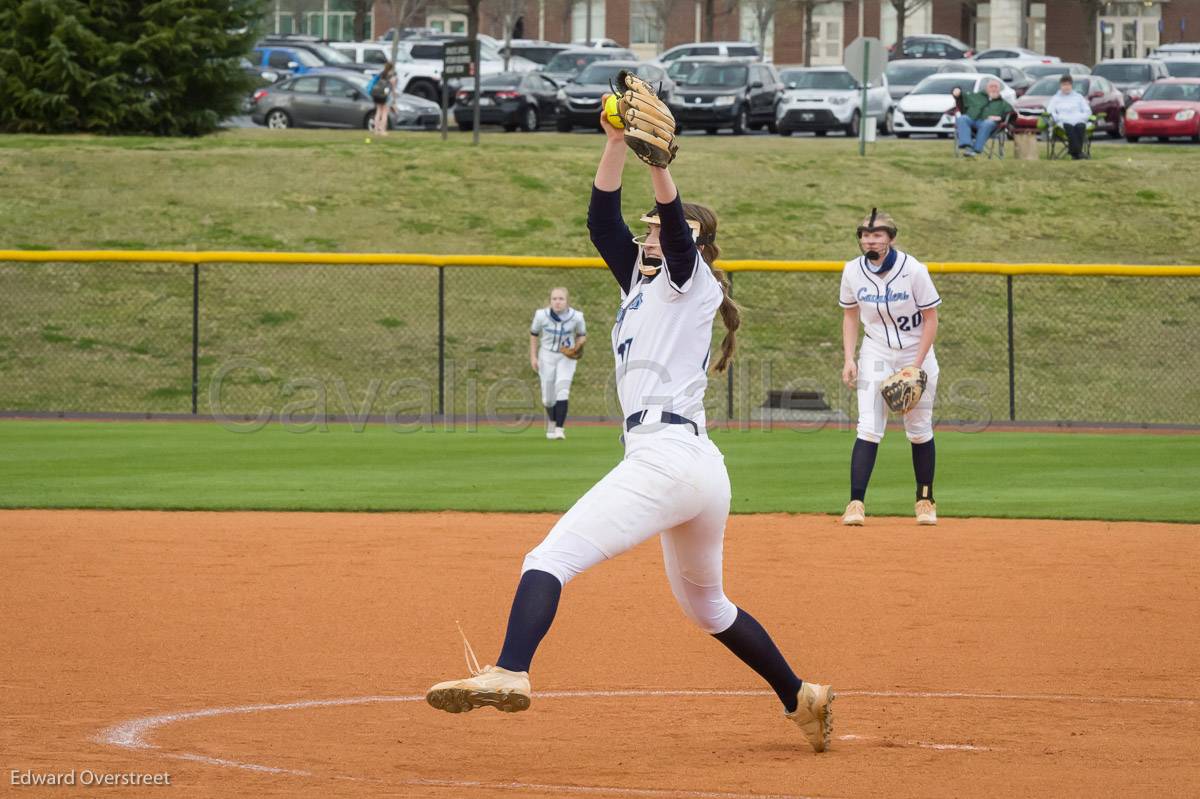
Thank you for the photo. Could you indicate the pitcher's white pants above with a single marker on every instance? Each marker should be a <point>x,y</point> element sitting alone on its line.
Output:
<point>556,372</point>
<point>671,483</point>
<point>877,363</point>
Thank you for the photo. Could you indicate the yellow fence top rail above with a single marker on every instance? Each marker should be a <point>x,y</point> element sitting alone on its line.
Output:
<point>427,259</point>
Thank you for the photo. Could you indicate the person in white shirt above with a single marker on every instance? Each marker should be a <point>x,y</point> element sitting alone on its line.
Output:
<point>891,294</point>
<point>556,326</point>
<point>1070,111</point>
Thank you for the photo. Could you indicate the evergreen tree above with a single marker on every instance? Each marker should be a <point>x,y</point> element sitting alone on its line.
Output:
<point>166,67</point>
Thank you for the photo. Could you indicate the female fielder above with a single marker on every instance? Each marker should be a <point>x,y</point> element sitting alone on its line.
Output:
<point>555,328</point>
<point>672,480</point>
<point>892,294</point>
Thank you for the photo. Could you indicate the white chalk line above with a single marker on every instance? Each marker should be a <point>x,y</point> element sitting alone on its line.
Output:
<point>134,734</point>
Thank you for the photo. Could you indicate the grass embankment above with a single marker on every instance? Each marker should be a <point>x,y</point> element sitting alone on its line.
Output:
<point>118,337</point>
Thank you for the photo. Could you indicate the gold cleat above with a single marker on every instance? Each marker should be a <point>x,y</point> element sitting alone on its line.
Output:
<point>814,714</point>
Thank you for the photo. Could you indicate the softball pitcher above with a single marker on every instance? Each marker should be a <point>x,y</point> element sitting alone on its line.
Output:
<point>556,340</point>
<point>672,481</point>
<point>891,293</point>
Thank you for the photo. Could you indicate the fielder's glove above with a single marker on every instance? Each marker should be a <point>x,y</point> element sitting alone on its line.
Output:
<point>649,123</point>
<point>903,390</point>
<point>574,353</point>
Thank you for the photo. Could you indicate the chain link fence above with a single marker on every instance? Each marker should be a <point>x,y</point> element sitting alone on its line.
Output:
<point>408,344</point>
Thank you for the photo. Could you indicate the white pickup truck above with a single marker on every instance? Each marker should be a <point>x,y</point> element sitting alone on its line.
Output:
<point>422,78</point>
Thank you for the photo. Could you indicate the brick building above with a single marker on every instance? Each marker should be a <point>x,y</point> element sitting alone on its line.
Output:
<point>1059,27</point>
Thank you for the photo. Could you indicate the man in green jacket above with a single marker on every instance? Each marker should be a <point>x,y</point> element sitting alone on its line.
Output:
<point>979,115</point>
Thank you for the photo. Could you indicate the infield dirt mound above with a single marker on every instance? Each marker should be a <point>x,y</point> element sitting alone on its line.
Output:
<point>979,658</point>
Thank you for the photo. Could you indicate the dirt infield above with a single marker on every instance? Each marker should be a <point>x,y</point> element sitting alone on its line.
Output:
<point>257,654</point>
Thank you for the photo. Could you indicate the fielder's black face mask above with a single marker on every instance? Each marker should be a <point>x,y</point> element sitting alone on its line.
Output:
<point>871,227</point>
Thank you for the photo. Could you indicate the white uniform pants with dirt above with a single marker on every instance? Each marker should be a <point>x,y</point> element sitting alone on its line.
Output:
<point>670,483</point>
<point>877,363</point>
<point>556,372</point>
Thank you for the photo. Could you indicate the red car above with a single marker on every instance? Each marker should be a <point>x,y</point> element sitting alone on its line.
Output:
<point>1170,107</point>
<point>1108,104</point>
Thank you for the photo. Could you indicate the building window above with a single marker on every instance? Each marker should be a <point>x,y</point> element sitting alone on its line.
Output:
<point>579,20</point>
<point>448,23</point>
<point>827,34</point>
<point>643,23</point>
<point>1035,27</point>
<point>1129,30</point>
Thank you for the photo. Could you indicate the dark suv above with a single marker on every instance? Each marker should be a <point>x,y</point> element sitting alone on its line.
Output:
<point>931,45</point>
<point>728,94</point>
<point>1132,76</point>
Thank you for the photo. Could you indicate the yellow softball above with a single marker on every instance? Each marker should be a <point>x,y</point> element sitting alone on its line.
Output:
<point>611,113</point>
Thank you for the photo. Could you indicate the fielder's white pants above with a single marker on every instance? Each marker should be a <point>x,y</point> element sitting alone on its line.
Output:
<point>877,363</point>
<point>556,372</point>
<point>670,483</point>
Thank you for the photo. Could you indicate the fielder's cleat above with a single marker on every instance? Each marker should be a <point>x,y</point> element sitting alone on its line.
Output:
<point>559,433</point>
<point>814,714</point>
<point>505,690</point>
<point>549,429</point>
<point>926,512</point>
<point>855,515</point>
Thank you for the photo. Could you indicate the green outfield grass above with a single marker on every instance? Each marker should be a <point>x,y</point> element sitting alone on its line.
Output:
<point>205,466</point>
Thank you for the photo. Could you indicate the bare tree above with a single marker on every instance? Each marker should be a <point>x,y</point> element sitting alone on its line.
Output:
<point>361,9</point>
<point>763,13</point>
<point>904,10</point>
<point>405,12</point>
<point>504,14</point>
<point>1091,8</point>
<point>662,13</point>
<point>710,11</point>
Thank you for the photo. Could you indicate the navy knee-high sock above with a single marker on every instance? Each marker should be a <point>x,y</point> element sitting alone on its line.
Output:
<point>862,462</point>
<point>923,460</point>
<point>532,613</point>
<point>747,639</point>
<point>550,412</point>
<point>560,413</point>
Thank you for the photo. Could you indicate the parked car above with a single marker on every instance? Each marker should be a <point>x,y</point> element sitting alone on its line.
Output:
<point>524,100</point>
<point>930,45</point>
<point>335,100</point>
<point>284,61</point>
<point>422,78</point>
<point>711,49</point>
<point>1108,104</point>
<point>930,106</point>
<point>1177,48</point>
<point>822,99</point>
<point>1182,66</point>
<point>330,56</point>
<point>595,43</point>
<point>1012,75</point>
<point>728,94</point>
<point>1016,53</point>
<point>1169,108</point>
<point>1059,69</point>
<point>537,51</point>
<point>579,101</point>
<point>903,75</point>
<point>566,65</point>
<point>490,61</point>
<point>1131,75</point>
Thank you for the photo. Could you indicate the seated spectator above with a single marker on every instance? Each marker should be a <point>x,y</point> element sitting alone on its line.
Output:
<point>980,114</point>
<point>1070,111</point>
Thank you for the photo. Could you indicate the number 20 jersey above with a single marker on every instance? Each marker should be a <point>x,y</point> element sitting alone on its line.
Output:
<point>890,304</point>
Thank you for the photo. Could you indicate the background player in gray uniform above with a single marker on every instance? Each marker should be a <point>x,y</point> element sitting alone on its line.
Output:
<point>892,295</point>
<point>555,327</point>
<point>672,481</point>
